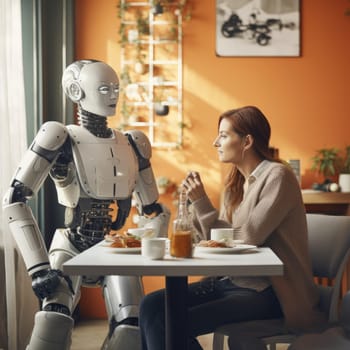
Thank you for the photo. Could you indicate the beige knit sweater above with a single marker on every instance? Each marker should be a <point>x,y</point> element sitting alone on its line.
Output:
<point>272,214</point>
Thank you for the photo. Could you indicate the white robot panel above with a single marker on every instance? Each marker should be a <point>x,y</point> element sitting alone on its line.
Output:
<point>146,190</point>
<point>27,235</point>
<point>113,173</point>
<point>68,188</point>
<point>37,160</point>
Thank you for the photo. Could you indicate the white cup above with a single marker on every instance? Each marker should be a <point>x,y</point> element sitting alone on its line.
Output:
<point>153,248</point>
<point>218,234</point>
<point>142,232</point>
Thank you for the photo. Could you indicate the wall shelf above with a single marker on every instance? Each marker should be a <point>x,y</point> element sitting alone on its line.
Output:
<point>155,43</point>
<point>332,203</point>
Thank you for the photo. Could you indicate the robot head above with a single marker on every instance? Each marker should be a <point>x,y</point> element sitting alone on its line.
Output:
<point>94,85</point>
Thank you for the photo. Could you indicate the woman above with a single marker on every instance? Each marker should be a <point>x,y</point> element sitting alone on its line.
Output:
<point>263,204</point>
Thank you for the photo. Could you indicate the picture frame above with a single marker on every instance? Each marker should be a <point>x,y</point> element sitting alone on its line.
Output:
<point>258,28</point>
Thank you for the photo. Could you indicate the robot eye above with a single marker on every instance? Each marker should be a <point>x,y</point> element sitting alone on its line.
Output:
<point>104,89</point>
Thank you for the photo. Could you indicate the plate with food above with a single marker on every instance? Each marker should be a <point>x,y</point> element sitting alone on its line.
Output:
<point>124,243</point>
<point>125,250</point>
<point>223,247</point>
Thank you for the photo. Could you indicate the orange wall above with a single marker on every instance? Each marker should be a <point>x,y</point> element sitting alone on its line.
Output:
<point>305,98</point>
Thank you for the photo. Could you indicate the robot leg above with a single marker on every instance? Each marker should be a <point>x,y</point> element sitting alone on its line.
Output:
<point>53,326</point>
<point>122,296</point>
<point>52,330</point>
<point>61,250</point>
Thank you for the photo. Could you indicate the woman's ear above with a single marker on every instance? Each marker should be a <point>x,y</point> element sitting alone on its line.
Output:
<point>248,141</point>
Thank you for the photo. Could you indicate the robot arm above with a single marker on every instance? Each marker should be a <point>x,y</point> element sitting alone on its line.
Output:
<point>29,177</point>
<point>153,214</point>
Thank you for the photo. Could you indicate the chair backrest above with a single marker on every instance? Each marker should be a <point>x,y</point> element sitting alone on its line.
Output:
<point>345,313</point>
<point>329,245</point>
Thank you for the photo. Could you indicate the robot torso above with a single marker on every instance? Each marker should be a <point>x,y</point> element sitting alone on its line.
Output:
<point>107,168</point>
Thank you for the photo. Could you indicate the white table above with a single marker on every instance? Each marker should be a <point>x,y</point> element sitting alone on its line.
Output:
<point>101,260</point>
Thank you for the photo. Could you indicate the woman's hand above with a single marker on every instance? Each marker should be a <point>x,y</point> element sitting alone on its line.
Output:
<point>194,186</point>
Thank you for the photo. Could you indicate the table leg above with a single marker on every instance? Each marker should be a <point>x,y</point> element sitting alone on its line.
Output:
<point>176,313</point>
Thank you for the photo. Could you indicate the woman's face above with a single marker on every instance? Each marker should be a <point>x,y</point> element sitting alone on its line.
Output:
<point>229,144</point>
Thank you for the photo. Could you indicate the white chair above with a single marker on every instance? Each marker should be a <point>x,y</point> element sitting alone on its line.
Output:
<point>329,245</point>
<point>337,337</point>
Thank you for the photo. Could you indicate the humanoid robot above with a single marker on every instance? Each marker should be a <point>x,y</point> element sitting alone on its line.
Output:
<point>92,167</point>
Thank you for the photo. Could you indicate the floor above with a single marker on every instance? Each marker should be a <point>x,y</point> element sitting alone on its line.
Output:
<point>89,335</point>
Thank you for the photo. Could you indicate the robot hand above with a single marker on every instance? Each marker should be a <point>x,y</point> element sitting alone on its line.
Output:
<point>46,281</point>
<point>159,221</point>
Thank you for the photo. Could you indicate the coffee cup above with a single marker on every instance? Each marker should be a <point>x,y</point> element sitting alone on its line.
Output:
<point>153,248</point>
<point>218,234</point>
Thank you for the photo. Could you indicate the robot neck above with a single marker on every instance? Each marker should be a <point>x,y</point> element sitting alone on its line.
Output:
<point>96,124</point>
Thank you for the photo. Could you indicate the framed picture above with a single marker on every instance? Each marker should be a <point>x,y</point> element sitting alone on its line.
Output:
<point>258,28</point>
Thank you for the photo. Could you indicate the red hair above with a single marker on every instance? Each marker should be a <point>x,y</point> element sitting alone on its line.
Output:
<point>248,120</point>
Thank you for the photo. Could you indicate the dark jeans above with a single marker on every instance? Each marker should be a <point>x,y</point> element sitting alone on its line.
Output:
<point>211,303</point>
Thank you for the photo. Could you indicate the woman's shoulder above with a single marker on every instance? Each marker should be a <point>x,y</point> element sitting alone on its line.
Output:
<point>280,169</point>
<point>280,176</point>
<point>277,166</point>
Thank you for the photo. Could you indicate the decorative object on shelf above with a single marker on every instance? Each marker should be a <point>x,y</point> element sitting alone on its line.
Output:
<point>132,92</point>
<point>326,162</point>
<point>326,186</point>
<point>151,48</point>
<point>133,35</point>
<point>329,163</point>
<point>344,175</point>
<point>295,165</point>
<point>161,109</point>
<point>140,67</point>
<point>157,8</point>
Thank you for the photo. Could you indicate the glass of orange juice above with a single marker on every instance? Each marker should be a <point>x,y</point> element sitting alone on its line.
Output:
<point>181,238</point>
<point>181,244</point>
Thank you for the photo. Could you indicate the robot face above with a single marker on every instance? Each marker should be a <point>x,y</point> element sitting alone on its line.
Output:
<point>100,87</point>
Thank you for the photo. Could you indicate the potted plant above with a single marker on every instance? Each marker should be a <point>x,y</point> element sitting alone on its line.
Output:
<point>326,161</point>
<point>157,7</point>
<point>142,24</point>
<point>344,176</point>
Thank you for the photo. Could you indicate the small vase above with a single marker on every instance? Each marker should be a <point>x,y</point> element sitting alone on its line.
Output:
<point>161,110</point>
<point>140,68</point>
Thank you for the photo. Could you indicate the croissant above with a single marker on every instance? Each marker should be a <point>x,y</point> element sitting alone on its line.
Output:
<point>212,243</point>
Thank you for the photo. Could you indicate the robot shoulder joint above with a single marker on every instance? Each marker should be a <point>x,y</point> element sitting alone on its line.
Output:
<point>140,143</point>
<point>51,136</point>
